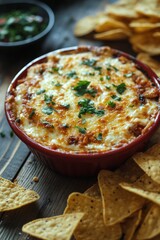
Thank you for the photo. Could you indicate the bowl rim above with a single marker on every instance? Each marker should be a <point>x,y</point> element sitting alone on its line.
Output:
<point>37,146</point>
<point>38,4</point>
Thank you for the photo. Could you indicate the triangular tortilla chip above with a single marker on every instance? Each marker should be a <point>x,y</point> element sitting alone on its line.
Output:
<point>130,225</point>
<point>150,227</point>
<point>144,187</point>
<point>54,228</point>
<point>130,171</point>
<point>150,165</point>
<point>91,227</point>
<point>93,191</point>
<point>13,196</point>
<point>118,204</point>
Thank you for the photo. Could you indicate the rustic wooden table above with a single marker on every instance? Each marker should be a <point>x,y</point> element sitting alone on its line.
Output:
<point>16,161</point>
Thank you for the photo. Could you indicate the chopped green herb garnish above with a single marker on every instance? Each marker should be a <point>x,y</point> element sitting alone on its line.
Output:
<point>48,99</point>
<point>131,105</point>
<point>97,68</point>
<point>116,98</point>
<point>71,74</point>
<point>58,84</point>
<point>40,91</point>
<point>11,134</point>
<point>91,74</point>
<point>121,88</point>
<point>2,134</point>
<point>101,79</point>
<point>108,77</point>
<point>128,74</point>
<point>65,105</point>
<point>116,69</point>
<point>87,106</point>
<point>55,69</point>
<point>32,113</point>
<point>81,130</point>
<point>48,110</point>
<point>81,87</point>
<point>89,62</point>
<point>99,137</point>
<point>108,87</point>
<point>111,104</point>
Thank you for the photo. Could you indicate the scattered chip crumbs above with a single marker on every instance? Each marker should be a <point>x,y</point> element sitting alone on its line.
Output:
<point>92,226</point>
<point>13,196</point>
<point>54,228</point>
<point>137,21</point>
<point>114,198</point>
<point>35,179</point>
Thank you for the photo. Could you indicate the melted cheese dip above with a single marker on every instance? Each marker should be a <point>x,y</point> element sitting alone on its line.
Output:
<point>85,101</point>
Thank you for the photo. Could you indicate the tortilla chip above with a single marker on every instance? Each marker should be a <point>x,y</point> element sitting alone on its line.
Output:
<point>122,10</point>
<point>130,225</point>
<point>156,34</point>
<point>114,34</point>
<point>13,196</point>
<point>85,26</point>
<point>109,23</point>
<point>154,150</point>
<point>91,227</point>
<point>148,8</point>
<point>54,228</point>
<point>93,191</point>
<point>150,227</point>
<point>150,165</point>
<point>152,63</point>
<point>143,25</point>
<point>118,204</point>
<point>146,42</point>
<point>130,171</point>
<point>144,187</point>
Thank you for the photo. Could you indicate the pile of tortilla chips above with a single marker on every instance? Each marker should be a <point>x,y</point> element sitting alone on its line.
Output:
<point>122,205</point>
<point>138,21</point>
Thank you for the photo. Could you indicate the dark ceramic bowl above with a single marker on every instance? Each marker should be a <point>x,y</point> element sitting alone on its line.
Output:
<point>88,164</point>
<point>42,10</point>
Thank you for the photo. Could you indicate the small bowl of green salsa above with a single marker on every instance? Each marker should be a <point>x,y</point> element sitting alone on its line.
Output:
<point>24,23</point>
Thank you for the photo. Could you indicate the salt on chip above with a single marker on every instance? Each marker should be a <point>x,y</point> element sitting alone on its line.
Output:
<point>130,225</point>
<point>150,165</point>
<point>118,204</point>
<point>150,227</point>
<point>114,34</point>
<point>91,227</point>
<point>93,191</point>
<point>144,187</point>
<point>146,42</point>
<point>54,228</point>
<point>13,196</point>
<point>151,62</point>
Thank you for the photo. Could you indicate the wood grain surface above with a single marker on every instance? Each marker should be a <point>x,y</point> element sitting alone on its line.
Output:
<point>16,161</point>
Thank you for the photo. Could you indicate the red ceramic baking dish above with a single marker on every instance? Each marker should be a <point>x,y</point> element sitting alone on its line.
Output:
<point>82,163</point>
